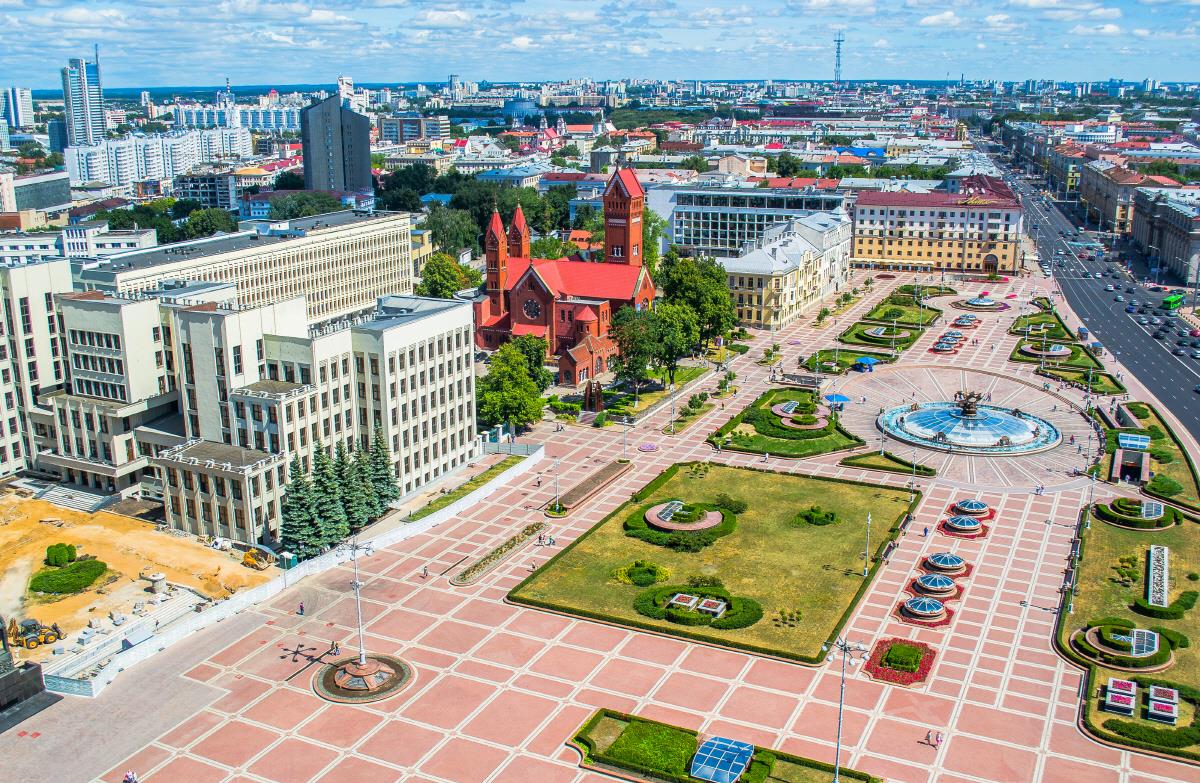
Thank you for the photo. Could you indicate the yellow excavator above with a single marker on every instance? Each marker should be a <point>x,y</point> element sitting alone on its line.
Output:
<point>30,633</point>
<point>258,559</point>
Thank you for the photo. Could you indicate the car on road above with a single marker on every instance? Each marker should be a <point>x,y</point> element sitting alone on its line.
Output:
<point>1196,354</point>
<point>1196,388</point>
<point>1097,275</point>
<point>1184,343</point>
<point>1196,343</point>
<point>1158,336</point>
<point>1119,298</point>
<point>1110,287</point>
<point>1179,352</point>
<point>1131,309</point>
<point>1194,333</point>
<point>1135,303</point>
<point>1156,321</point>
<point>1129,289</point>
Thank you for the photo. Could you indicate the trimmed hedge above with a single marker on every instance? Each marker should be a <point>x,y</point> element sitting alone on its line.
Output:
<point>1119,513</point>
<point>1126,661</point>
<point>1109,634</point>
<point>902,465</point>
<point>59,555</point>
<point>1177,640</point>
<point>903,657</point>
<point>741,613</point>
<point>1175,611</point>
<point>680,540</point>
<point>73,578</point>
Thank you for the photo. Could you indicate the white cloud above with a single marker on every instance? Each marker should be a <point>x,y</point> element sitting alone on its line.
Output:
<point>1105,13</point>
<point>1100,29</point>
<point>944,19</point>
<point>882,43</point>
<point>440,18</point>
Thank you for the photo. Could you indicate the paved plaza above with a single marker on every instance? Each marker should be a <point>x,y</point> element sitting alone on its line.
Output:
<point>499,689</point>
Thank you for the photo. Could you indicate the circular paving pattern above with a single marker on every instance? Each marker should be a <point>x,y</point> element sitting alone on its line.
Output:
<point>348,682</point>
<point>710,519</point>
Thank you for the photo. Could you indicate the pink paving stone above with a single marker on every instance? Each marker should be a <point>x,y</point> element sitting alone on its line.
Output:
<point>692,692</point>
<point>1012,701</point>
<point>345,613</point>
<point>244,646</point>
<point>636,679</point>
<point>567,663</point>
<point>525,769</point>
<point>915,706</point>
<point>433,601</point>
<point>902,739</point>
<point>986,679</point>
<point>293,761</point>
<point>811,749</point>
<point>183,768</point>
<point>1066,740</point>
<point>1039,690</point>
<point>400,624</point>
<point>544,685</point>
<point>454,637</point>
<point>1060,770</point>
<point>242,691</point>
<point>186,732</point>
<point>357,770</point>
<point>723,728</point>
<point>652,649</point>
<point>340,725</point>
<point>819,721</point>
<point>860,692</point>
<point>400,743</point>
<point>601,638</point>
<point>464,761</point>
<point>278,660</point>
<point>780,676</point>
<point>432,660</point>
<point>483,671</point>
<point>718,663</point>
<point>284,708</point>
<point>448,701</point>
<point>988,760</point>
<point>202,672</point>
<point>510,718</point>
<point>674,717</point>
<point>488,613</point>
<point>890,769</point>
<point>141,762</point>
<point>235,743</point>
<point>751,705</point>
<point>1161,767</point>
<point>509,650</point>
<point>595,698</point>
<point>539,624</point>
<point>560,728</point>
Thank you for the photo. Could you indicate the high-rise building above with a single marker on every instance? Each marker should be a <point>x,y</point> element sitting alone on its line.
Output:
<point>83,99</point>
<point>18,107</point>
<point>337,147</point>
<point>5,141</point>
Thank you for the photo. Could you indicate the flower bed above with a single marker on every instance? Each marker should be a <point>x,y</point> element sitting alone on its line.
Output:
<point>473,572</point>
<point>895,670</point>
<point>592,484</point>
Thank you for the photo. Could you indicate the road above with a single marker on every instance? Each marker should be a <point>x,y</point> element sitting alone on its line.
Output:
<point>1170,378</point>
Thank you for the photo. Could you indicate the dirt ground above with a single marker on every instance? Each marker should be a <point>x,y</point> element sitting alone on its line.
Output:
<point>130,547</point>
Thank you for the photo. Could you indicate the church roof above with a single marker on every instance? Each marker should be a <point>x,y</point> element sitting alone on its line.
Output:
<point>627,180</point>
<point>518,221</point>
<point>587,314</point>
<point>586,279</point>
<point>588,346</point>
<point>496,225</point>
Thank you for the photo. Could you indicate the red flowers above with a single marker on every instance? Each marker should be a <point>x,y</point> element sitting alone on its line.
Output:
<point>878,671</point>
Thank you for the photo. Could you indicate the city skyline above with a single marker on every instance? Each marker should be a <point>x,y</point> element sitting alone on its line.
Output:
<point>532,40</point>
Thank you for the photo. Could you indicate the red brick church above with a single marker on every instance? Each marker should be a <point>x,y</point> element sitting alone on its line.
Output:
<point>569,303</point>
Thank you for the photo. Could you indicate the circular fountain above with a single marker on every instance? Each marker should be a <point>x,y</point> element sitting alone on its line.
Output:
<point>971,507</point>
<point>938,585</point>
<point>924,608</point>
<point>946,563</point>
<point>981,303</point>
<point>1046,351</point>
<point>965,425</point>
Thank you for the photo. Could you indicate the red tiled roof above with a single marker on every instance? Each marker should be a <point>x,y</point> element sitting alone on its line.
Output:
<point>587,313</point>
<point>579,128</point>
<point>563,176</point>
<point>1161,180</point>
<point>877,198</point>
<point>590,345</point>
<point>629,182</point>
<point>567,278</point>
<point>537,330</point>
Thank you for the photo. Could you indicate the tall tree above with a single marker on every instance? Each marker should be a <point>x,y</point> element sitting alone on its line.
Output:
<point>357,496</point>
<point>363,474</point>
<point>702,285</point>
<point>452,230</point>
<point>634,333</point>
<point>676,333</point>
<point>303,204</point>
<point>442,277</point>
<point>534,349</point>
<point>383,478</point>
<point>507,395</point>
<point>298,530</point>
<point>551,247</point>
<point>653,227</point>
<point>327,499</point>
<point>289,180</point>
<point>206,222</point>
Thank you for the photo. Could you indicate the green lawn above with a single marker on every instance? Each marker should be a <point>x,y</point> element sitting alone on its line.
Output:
<point>1101,382</point>
<point>767,436</point>
<point>625,403</point>
<point>844,358</point>
<point>1058,330</point>
<point>1079,358</point>
<point>910,289</point>
<point>814,569</point>
<point>687,417</point>
<point>1178,467</point>
<point>1099,595</point>
<point>910,315</point>
<point>886,461</point>
<point>857,335</point>
<point>466,488</point>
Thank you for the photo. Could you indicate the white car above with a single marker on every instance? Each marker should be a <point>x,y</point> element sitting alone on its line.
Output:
<point>1110,287</point>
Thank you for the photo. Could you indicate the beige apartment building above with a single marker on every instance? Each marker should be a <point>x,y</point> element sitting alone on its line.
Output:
<point>1106,194</point>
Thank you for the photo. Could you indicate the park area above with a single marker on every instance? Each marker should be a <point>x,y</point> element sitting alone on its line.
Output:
<point>1037,325</point>
<point>1110,601</point>
<point>125,546</point>
<point>791,545</point>
<point>877,335</point>
<point>903,310</point>
<point>811,428</point>
<point>835,361</point>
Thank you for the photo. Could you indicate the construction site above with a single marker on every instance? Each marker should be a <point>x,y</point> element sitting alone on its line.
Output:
<point>153,574</point>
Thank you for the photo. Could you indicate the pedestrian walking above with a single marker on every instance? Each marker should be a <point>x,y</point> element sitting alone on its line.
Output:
<point>929,737</point>
<point>425,572</point>
<point>937,741</point>
<point>336,650</point>
<point>301,611</point>
<point>539,481</point>
<point>926,533</point>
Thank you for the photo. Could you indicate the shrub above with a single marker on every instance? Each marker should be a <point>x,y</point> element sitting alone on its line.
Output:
<point>564,408</point>
<point>1193,577</point>
<point>601,419</point>
<point>1162,455</point>
<point>730,504</point>
<point>1175,611</point>
<point>1116,622</point>
<point>1177,640</point>
<point>1153,735</point>
<point>654,746</point>
<point>742,613</point>
<point>682,616</point>
<point>1109,635</point>
<point>701,580</point>
<point>73,578</point>
<point>1138,409</point>
<point>903,657</point>
<point>892,314</point>
<point>1156,432</point>
<point>1164,486</point>
<point>679,540</point>
<point>641,573</point>
<point>815,516</point>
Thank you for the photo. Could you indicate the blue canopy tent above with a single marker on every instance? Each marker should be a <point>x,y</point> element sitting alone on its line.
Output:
<point>867,361</point>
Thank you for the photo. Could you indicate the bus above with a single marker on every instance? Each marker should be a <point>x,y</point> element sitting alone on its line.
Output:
<point>1173,301</point>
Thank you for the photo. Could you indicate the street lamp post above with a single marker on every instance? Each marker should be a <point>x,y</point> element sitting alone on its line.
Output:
<point>912,485</point>
<point>867,551</point>
<point>854,652</point>
<point>557,507</point>
<point>353,548</point>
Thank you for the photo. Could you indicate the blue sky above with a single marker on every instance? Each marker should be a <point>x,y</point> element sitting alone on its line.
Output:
<point>171,42</point>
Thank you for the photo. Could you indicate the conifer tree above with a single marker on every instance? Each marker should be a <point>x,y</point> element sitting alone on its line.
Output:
<point>327,499</point>
<point>298,532</point>
<point>382,477</point>
<point>361,467</point>
<point>356,497</point>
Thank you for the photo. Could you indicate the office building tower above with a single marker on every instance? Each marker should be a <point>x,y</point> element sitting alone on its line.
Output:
<point>83,101</point>
<point>5,141</point>
<point>57,131</point>
<point>337,147</point>
<point>18,107</point>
